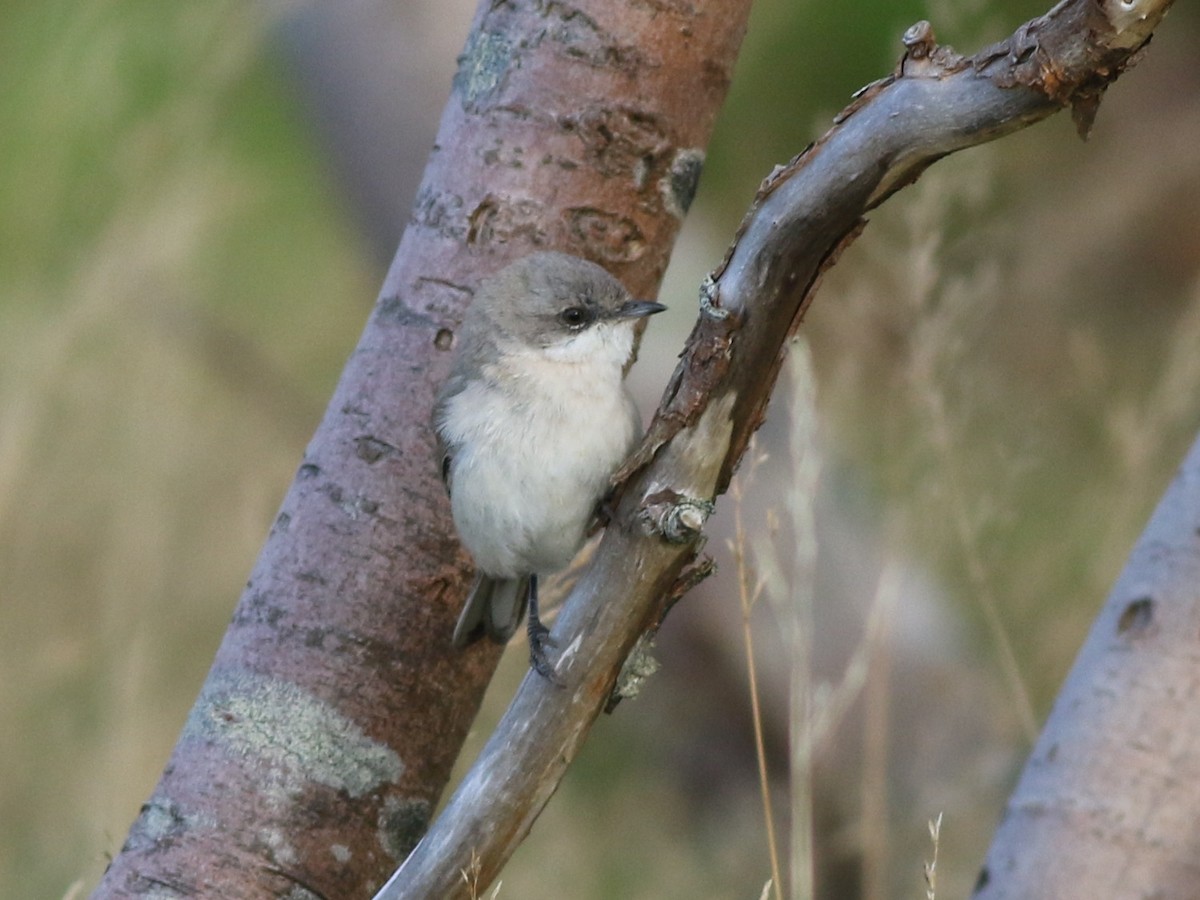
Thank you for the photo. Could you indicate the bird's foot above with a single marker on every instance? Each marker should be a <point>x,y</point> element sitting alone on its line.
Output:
<point>539,658</point>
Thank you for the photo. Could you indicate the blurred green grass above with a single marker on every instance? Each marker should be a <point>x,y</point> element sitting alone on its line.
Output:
<point>180,291</point>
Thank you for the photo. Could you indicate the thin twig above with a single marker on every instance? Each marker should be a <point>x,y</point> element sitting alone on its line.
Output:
<point>748,596</point>
<point>977,571</point>
<point>876,731</point>
<point>806,728</point>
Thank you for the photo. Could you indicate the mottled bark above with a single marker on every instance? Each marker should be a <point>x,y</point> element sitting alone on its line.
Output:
<point>935,103</point>
<point>327,727</point>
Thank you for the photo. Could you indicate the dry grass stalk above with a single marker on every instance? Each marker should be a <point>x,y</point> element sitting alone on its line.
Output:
<point>935,835</point>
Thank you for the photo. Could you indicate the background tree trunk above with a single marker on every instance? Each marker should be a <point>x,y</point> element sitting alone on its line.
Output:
<point>1107,804</point>
<point>334,710</point>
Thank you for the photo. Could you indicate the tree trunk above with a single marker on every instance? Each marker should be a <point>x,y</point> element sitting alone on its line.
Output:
<point>335,708</point>
<point>1107,804</point>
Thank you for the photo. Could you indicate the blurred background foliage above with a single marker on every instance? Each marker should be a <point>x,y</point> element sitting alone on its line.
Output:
<point>197,203</point>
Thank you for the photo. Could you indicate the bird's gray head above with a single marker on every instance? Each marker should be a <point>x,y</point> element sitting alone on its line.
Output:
<point>550,300</point>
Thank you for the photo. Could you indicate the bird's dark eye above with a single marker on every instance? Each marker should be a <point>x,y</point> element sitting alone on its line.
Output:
<point>574,317</point>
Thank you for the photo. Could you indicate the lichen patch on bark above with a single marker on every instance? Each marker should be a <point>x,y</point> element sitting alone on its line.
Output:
<point>296,738</point>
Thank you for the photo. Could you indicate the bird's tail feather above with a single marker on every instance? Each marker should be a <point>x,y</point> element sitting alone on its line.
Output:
<point>495,609</point>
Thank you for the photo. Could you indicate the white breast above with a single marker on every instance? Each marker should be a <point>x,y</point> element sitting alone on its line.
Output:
<point>536,439</point>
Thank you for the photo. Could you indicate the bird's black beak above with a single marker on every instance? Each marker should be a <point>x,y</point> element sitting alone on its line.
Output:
<point>637,309</point>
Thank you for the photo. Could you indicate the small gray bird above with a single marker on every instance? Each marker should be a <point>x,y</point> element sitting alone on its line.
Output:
<point>531,424</point>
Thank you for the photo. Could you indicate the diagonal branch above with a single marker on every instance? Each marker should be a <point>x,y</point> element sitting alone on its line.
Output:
<point>805,214</point>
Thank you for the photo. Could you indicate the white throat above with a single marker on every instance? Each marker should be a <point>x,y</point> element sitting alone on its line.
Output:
<point>603,345</point>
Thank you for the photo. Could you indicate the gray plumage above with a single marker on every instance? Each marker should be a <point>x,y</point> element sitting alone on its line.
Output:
<point>532,422</point>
